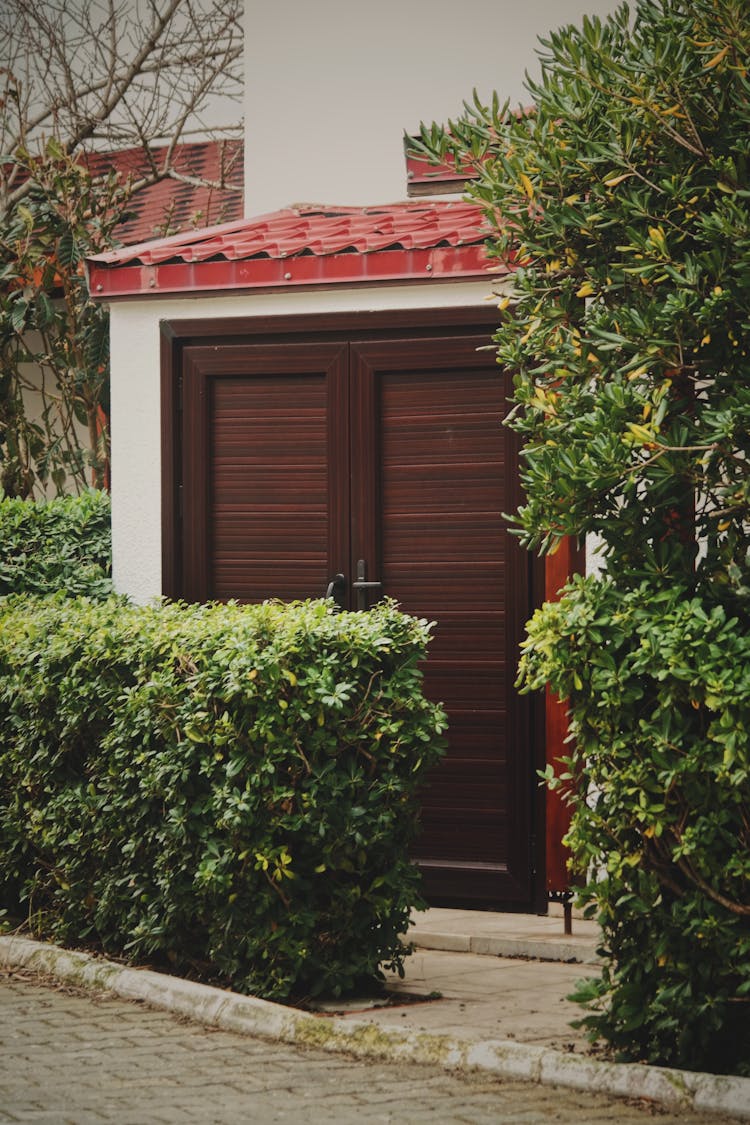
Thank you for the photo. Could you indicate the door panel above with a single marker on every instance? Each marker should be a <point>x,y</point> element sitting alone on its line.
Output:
<point>272,498</point>
<point>269,486</point>
<point>298,460</point>
<point>437,463</point>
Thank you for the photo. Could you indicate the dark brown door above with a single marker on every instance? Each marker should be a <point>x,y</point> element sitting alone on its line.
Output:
<point>265,499</point>
<point>384,459</point>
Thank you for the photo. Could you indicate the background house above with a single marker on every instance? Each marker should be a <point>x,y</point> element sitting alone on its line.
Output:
<point>309,393</point>
<point>203,187</point>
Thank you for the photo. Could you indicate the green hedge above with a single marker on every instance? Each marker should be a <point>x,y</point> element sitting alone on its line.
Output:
<point>659,689</point>
<point>227,790</point>
<point>62,544</point>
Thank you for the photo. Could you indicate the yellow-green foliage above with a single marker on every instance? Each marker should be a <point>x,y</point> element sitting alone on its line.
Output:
<point>659,691</point>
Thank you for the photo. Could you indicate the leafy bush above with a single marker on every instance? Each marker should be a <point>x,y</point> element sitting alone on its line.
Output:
<point>659,691</point>
<point>60,544</point>
<point>230,790</point>
<point>621,202</point>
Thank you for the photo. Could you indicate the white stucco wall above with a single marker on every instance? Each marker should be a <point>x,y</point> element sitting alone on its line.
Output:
<point>594,561</point>
<point>136,380</point>
<point>331,86</point>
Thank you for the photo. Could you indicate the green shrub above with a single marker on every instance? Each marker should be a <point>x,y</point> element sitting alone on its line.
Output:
<point>229,790</point>
<point>659,691</point>
<point>621,203</point>
<point>61,544</point>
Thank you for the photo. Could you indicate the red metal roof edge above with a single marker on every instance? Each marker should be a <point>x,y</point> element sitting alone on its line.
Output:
<point>422,170</point>
<point>438,263</point>
<point>303,245</point>
<point>419,170</point>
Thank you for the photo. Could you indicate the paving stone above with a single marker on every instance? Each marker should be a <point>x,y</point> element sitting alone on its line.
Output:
<point>188,1075</point>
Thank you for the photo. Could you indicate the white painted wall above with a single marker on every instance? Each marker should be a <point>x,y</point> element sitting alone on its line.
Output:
<point>331,86</point>
<point>136,380</point>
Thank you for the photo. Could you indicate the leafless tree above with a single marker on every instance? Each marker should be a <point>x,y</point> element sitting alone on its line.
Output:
<point>115,74</point>
<point>80,79</point>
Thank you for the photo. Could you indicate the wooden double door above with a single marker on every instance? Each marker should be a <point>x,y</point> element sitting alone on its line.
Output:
<point>376,453</point>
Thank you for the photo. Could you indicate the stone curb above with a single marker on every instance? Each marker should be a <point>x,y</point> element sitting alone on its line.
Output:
<point>675,1089</point>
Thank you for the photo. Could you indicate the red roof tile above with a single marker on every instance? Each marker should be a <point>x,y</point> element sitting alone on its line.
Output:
<point>304,245</point>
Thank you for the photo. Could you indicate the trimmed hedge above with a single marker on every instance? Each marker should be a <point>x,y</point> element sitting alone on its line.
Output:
<point>61,544</point>
<point>228,790</point>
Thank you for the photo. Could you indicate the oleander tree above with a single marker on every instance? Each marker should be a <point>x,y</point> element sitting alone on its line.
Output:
<point>54,341</point>
<point>77,79</point>
<point>621,194</point>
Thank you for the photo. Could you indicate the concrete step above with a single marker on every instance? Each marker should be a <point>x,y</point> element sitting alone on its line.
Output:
<point>540,937</point>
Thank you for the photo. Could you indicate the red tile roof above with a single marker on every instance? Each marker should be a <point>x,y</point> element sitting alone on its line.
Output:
<point>181,203</point>
<point>304,245</point>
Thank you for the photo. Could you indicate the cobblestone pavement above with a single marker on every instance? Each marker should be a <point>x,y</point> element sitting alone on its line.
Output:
<point>73,1058</point>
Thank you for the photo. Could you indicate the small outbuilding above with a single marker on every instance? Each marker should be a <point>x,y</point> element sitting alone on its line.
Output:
<point>338,426</point>
<point>308,401</point>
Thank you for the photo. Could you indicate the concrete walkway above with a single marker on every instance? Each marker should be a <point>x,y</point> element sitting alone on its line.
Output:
<point>469,1011</point>
<point>503,976</point>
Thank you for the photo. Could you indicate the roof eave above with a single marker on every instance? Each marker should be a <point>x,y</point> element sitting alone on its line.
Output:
<point>463,262</point>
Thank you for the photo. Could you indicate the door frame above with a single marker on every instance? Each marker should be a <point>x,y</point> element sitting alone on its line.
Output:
<point>178,334</point>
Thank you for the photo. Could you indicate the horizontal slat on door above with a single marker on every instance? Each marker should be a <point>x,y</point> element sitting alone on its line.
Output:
<point>443,546</point>
<point>269,479</point>
<point>479,734</point>
<point>463,632</point>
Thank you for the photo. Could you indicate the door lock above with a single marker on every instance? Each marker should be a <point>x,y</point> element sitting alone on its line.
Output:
<point>361,585</point>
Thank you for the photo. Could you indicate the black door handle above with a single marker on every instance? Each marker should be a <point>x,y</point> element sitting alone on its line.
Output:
<point>337,590</point>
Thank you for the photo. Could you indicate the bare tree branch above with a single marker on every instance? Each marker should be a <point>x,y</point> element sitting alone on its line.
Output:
<point>113,74</point>
<point>80,79</point>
